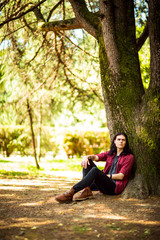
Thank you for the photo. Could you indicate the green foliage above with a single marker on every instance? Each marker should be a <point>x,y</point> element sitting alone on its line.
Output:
<point>98,141</point>
<point>24,143</point>
<point>49,142</point>
<point>18,139</point>
<point>50,68</point>
<point>141,11</point>
<point>74,144</point>
<point>32,68</point>
<point>59,72</point>
<point>12,138</point>
<point>144,59</point>
<point>86,142</point>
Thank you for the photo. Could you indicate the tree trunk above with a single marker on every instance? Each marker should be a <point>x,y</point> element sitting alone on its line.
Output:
<point>125,101</point>
<point>39,130</point>
<point>151,107</point>
<point>32,132</point>
<point>147,151</point>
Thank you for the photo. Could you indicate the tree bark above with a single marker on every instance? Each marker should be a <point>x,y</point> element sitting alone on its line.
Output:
<point>149,131</point>
<point>32,132</point>
<point>39,129</point>
<point>147,179</point>
<point>154,35</point>
<point>119,67</point>
<point>88,20</point>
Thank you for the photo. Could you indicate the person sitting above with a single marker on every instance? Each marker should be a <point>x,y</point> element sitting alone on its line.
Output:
<point>112,180</point>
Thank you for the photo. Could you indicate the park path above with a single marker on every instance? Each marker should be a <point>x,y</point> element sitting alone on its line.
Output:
<point>28,211</point>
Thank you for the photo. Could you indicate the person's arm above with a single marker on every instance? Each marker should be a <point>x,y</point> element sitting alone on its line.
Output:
<point>85,160</point>
<point>116,176</point>
<point>125,169</point>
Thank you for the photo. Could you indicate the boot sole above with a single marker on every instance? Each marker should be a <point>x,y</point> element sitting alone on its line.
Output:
<point>82,199</point>
<point>68,201</point>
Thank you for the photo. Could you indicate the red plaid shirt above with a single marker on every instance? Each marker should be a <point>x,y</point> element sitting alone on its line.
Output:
<point>124,165</point>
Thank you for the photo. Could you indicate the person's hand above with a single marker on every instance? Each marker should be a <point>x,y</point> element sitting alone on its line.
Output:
<point>85,161</point>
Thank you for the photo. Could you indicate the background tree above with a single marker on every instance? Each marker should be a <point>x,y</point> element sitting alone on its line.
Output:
<point>30,78</point>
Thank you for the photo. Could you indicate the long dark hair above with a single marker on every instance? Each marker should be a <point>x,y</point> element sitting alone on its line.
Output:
<point>113,148</point>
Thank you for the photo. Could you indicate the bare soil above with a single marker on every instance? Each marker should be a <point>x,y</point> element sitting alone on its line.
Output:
<point>28,211</point>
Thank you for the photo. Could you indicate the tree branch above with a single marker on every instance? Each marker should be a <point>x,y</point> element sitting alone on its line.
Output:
<point>21,14</point>
<point>67,24</point>
<point>88,20</point>
<point>38,14</point>
<point>77,46</point>
<point>141,40</point>
<point>36,53</point>
<point>2,4</point>
<point>50,13</point>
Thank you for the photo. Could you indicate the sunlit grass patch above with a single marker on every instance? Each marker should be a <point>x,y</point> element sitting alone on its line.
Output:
<point>20,174</point>
<point>5,161</point>
<point>66,165</point>
<point>12,173</point>
<point>56,161</point>
<point>17,166</point>
<point>32,168</point>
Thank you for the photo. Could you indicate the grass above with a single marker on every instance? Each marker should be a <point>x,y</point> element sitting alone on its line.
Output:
<point>17,166</point>
<point>4,161</point>
<point>13,173</point>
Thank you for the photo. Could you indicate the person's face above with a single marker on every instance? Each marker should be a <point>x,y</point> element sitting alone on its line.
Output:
<point>120,141</point>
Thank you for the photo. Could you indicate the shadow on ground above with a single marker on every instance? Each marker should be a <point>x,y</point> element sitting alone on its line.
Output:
<point>28,211</point>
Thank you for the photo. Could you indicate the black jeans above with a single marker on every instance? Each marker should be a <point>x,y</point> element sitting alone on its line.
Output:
<point>96,180</point>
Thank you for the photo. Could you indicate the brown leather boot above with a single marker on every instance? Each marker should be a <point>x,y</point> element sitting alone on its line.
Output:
<point>85,194</point>
<point>65,197</point>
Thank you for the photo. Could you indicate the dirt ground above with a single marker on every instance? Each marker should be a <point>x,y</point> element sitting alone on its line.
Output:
<point>28,211</point>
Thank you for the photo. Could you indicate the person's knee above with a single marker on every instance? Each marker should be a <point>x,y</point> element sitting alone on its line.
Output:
<point>91,162</point>
<point>94,169</point>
